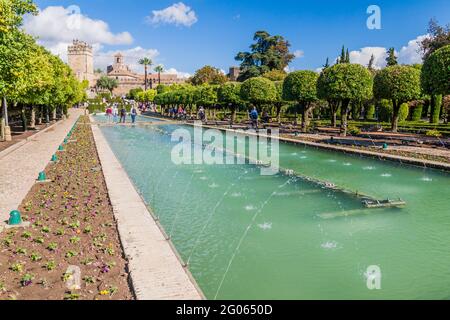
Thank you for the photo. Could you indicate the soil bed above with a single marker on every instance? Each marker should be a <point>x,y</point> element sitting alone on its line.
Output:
<point>72,224</point>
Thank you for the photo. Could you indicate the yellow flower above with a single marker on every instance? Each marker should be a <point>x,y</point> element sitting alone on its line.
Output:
<point>104,292</point>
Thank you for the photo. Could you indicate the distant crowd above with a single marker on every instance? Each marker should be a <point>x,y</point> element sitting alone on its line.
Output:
<point>114,115</point>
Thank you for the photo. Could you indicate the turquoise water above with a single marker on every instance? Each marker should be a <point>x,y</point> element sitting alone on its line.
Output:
<point>248,236</point>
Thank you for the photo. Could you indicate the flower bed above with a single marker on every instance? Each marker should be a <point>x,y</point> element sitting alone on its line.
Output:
<point>72,224</point>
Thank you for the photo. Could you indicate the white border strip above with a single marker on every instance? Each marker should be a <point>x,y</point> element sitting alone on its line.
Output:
<point>155,270</point>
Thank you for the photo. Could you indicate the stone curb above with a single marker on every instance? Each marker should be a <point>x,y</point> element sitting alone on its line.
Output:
<point>156,271</point>
<point>370,154</point>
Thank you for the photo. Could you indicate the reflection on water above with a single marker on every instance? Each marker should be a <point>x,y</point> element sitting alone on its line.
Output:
<point>287,238</point>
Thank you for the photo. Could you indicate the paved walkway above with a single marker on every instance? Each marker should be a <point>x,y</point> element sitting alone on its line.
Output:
<point>155,270</point>
<point>19,168</point>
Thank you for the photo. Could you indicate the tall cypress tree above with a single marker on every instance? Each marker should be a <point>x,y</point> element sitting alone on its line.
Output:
<point>326,65</point>
<point>347,56</point>
<point>342,59</point>
<point>371,62</point>
<point>391,59</point>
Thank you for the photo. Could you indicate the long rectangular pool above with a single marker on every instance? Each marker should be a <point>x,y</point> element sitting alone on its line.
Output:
<point>248,236</point>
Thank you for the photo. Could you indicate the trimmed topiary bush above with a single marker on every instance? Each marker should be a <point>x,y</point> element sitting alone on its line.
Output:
<point>258,91</point>
<point>399,84</point>
<point>301,87</point>
<point>386,111</point>
<point>370,112</point>
<point>416,112</point>
<point>436,72</point>
<point>345,82</point>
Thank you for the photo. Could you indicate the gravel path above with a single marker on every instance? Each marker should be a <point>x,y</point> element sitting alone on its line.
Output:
<point>20,168</point>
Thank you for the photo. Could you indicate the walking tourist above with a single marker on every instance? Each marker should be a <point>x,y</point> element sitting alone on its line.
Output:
<point>254,118</point>
<point>115,113</point>
<point>201,114</point>
<point>123,114</point>
<point>265,117</point>
<point>108,114</point>
<point>133,114</point>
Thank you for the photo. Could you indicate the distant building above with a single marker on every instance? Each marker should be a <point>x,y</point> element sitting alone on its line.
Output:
<point>234,73</point>
<point>81,61</point>
<point>130,80</point>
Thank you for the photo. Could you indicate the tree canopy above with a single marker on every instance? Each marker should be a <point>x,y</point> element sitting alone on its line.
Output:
<point>275,75</point>
<point>258,91</point>
<point>436,72</point>
<point>206,95</point>
<point>29,74</point>
<point>438,37</point>
<point>229,94</point>
<point>399,84</point>
<point>208,75</point>
<point>267,53</point>
<point>107,83</point>
<point>301,87</point>
<point>343,83</point>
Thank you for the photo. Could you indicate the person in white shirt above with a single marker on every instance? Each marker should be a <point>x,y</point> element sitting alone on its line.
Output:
<point>115,113</point>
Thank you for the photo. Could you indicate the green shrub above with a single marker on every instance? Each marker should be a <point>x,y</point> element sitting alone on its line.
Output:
<point>433,133</point>
<point>436,108</point>
<point>386,111</point>
<point>370,112</point>
<point>354,131</point>
<point>416,114</point>
<point>96,108</point>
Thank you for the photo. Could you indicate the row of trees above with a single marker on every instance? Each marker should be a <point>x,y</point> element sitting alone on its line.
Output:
<point>342,86</point>
<point>32,80</point>
<point>337,87</point>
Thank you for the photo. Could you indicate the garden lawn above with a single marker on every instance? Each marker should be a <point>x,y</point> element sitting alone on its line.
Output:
<point>72,223</point>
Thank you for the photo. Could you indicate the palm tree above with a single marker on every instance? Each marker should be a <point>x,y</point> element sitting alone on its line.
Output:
<point>146,62</point>
<point>107,83</point>
<point>159,69</point>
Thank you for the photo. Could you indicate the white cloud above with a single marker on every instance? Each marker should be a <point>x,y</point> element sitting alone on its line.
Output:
<point>319,70</point>
<point>410,54</point>
<point>299,54</point>
<point>56,25</point>
<point>178,73</point>
<point>178,14</point>
<point>102,59</point>
<point>363,56</point>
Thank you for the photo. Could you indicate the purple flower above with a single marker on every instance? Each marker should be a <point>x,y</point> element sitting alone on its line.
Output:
<point>105,269</point>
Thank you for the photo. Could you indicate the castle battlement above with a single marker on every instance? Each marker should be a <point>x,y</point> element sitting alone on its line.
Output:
<point>79,47</point>
<point>81,61</point>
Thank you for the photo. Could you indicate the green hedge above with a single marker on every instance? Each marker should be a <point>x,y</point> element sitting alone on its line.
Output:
<point>416,113</point>
<point>386,111</point>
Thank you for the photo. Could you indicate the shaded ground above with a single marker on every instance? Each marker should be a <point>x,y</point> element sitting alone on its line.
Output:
<point>72,224</point>
<point>18,135</point>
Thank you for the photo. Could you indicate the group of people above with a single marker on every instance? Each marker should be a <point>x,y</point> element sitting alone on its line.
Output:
<point>253,115</point>
<point>114,115</point>
<point>179,113</point>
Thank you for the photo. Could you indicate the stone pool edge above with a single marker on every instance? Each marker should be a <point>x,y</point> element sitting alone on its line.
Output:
<point>155,267</point>
<point>421,163</point>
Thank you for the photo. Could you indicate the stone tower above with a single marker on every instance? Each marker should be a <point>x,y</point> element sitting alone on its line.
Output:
<point>234,73</point>
<point>81,61</point>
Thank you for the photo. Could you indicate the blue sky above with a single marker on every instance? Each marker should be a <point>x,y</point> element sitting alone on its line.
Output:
<point>222,28</point>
